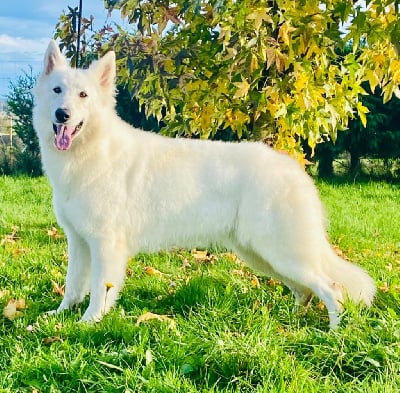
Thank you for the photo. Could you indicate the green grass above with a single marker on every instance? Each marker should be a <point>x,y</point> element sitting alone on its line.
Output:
<point>226,335</point>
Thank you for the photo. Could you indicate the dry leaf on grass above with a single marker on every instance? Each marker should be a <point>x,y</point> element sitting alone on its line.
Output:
<point>149,316</point>
<point>185,264</point>
<point>10,238</point>
<point>54,233</point>
<point>320,305</point>
<point>58,289</point>
<point>339,252</point>
<point>384,287</point>
<point>255,282</point>
<point>18,251</point>
<point>230,256</point>
<point>51,340</point>
<point>151,271</point>
<point>13,309</point>
<point>202,255</point>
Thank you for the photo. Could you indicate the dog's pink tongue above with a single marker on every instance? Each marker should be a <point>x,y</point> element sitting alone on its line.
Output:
<point>64,136</point>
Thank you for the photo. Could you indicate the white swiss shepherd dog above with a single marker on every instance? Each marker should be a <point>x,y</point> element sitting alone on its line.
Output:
<point>119,191</point>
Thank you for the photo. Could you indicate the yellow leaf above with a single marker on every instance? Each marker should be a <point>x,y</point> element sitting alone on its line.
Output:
<point>58,289</point>
<point>362,110</point>
<point>284,33</point>
<point>259,15</point>
<point>200,255</point>
<point>52,339</point>
<point>271,56</point>
<point>149,316</point>
<point>206,117</point>
<point>255,282</point>
<point>53,232</point>
<point>253,63</point>
<point>242,89</point>
<point>12,237</point>
<point>372,78</point>
<point>12,309</point>
<point>151,271</point>
<point>384,287</point>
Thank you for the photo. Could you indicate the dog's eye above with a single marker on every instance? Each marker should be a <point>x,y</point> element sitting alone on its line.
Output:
<point>82,94</point>
<point>57,90</point>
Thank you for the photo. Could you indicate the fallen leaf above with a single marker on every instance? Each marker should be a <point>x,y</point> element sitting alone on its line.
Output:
<point>21,304</point>
<point>230,255</point>
<point>13,309</point>
<point>340,253</point>
<point>201,255</point>
<point>10,238</point>
<point>58,289</point>
<point>52,339</point>
<point>273,283</point>
<point>255,282</point>
<point>151,271</point>
<point>384,287</point>
<point>320,305</point>
<point>18,251</point>
<point>149,316</point>
<point>54,233</point>
<point>185,264</point>
<point>238,272</point>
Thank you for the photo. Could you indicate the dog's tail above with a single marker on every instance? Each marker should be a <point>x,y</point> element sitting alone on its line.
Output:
<point>355,282</point>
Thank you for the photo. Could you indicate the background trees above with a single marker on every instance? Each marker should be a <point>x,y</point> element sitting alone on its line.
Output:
<point>20,104</point>
<point>289,73</point>
<point>274,70</point>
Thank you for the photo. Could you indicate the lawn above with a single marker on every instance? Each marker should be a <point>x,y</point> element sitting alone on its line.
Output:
<point>197,321</point>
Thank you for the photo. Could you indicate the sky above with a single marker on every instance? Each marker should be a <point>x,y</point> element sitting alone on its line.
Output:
<point>26,26</point>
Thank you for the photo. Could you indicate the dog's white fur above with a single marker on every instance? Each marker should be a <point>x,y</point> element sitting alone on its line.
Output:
<point>119,190</point>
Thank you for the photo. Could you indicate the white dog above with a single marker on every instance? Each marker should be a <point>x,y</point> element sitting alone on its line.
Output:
<point>119,190</point>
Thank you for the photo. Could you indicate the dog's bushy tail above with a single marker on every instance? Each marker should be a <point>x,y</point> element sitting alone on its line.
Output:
<point>356,283</point>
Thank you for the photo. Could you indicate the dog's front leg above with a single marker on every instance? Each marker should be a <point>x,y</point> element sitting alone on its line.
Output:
<point>108,271</point>
<point>78,271</point>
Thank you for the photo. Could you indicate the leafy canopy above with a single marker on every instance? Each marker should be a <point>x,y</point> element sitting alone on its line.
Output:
<point>268,70</point>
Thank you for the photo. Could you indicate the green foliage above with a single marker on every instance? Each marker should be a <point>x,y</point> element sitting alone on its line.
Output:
<point>379,139</point>
<point>228,336</point>
<point>20,104</point>
<point>272,71</point>
<point>263,70</point>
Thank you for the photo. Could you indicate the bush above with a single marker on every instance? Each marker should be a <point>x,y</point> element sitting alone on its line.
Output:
<point>20,104</point>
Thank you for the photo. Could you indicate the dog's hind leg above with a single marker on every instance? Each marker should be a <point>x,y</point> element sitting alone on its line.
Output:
<point>302,294</point>
<point>301,273</point>
<point>109,259</point>
<point>312,281</point>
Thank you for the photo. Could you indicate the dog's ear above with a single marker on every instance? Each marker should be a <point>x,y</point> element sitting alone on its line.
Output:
<point>105,71</point>
<point>53,58</point>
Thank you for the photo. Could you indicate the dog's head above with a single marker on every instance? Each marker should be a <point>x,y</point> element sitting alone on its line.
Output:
<point>66,98</point>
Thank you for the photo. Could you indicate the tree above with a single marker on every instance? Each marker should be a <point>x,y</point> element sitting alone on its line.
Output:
<point>20,104</point>
<point>266,70</point>
<point>379,139</point>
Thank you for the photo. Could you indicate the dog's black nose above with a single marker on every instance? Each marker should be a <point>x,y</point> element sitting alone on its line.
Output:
<point>62,115</point>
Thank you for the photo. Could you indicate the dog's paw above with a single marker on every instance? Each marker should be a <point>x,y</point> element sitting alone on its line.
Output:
<point>90,317</point>
<point>51,312</point>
